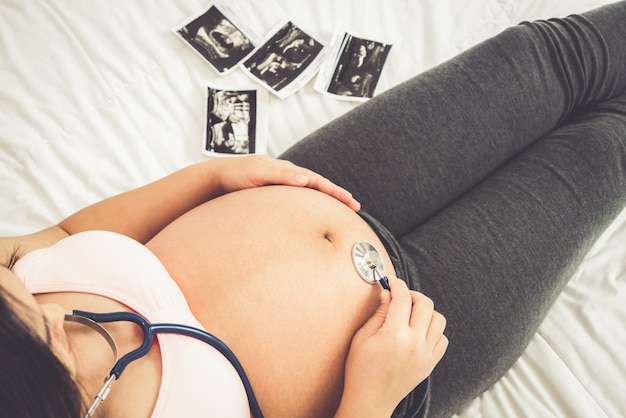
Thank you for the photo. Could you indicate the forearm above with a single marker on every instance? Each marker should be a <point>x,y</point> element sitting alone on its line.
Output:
<point>143,212</point>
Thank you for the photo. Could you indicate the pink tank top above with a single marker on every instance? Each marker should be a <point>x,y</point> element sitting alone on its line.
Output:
<point>197,380</point>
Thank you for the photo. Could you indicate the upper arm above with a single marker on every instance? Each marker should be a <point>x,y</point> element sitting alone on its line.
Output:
<point>27,243</point>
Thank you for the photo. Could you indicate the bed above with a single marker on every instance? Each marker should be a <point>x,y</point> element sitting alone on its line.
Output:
<point>101,96</point>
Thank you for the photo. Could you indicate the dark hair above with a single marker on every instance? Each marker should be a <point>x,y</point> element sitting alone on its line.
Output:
<point>33,381</point>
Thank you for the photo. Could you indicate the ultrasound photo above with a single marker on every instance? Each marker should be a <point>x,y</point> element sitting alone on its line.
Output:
<point>231,121</point>
<point>358,67</point>
<point>217,39</point>
<point>284,57</point>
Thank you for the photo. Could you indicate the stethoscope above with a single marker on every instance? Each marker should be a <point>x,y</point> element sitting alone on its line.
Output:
<point>92,320</point>
<point>367,261</point>
<point>369,264</point>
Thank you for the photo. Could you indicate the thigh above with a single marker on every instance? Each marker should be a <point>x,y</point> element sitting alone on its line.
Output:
<point>413,150</point>
<point>495,260</point>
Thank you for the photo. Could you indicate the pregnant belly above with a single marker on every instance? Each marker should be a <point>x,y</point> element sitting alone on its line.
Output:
<point>269,271</point>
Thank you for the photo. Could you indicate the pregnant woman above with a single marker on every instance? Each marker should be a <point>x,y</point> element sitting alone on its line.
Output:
<point>483,182</point>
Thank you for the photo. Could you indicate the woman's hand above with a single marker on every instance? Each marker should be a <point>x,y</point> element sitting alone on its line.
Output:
<point>253,171</point>
<point>396,349</point>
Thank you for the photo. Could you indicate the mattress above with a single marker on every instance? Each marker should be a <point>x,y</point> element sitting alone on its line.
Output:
<point>102,96</point>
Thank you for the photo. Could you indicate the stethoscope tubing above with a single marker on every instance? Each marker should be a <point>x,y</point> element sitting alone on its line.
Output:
<point>369,265</point>
<point>149,332</point>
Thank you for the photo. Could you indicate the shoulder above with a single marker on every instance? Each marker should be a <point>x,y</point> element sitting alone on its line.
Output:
<point>12,247</point>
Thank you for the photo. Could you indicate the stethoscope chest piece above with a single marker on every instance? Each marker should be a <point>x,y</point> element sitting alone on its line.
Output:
<point>367,261</point>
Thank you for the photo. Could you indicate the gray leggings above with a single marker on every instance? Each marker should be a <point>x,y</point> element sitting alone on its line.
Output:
<point>495,172</point>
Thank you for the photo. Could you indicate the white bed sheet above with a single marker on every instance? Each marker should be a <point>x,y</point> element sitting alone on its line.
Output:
<point>98,97</point>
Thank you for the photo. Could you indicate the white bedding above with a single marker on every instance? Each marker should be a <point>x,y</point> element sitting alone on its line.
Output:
<point>101,96</point>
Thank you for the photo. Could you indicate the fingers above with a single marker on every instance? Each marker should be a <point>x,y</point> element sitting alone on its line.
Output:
<point>303,177</point>
<point>376,321</point>
<point>401,306</point>
<point>423,310</point>
<point>435,337</point>
<point>436,327</point>
<point>440,347</point>
<point>260,170</point>
<point>326,186</point>
<point>424,317</point>
<point>416,310</point>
